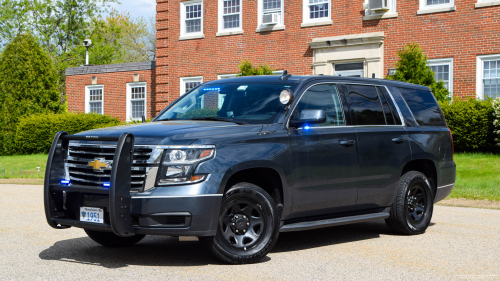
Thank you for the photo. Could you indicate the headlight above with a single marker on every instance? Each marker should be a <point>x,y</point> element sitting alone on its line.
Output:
<point>179,164</point>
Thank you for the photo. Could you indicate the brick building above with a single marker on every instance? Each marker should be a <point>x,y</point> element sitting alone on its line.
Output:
<point>202,40</point>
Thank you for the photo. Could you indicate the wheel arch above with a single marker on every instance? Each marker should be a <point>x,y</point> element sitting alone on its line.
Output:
<point>426,167</point>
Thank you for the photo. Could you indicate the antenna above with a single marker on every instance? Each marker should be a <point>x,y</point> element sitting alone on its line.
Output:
<point>285,75</point>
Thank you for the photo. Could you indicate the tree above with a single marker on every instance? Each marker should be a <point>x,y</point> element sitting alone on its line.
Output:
<point>247,69</point>
<point>29,85</point>
<point>412,68</point>
<point>139,40</point>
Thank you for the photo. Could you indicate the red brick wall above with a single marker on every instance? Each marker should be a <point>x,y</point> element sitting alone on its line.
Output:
<point>462,34</point>
<point>115,89</point>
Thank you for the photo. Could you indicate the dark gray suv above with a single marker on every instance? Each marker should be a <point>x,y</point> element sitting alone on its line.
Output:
<point>235,162</point>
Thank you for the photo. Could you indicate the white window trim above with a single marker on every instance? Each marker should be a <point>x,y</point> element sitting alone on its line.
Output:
<point>229,31</point>
<point>373,15</point>
<point>429,9</point>
<point>225,76</point>
<point>129,100</point>
<point>307,22</point>
<point>185,80</point>
<point>190,35</point>
<point>444,61</point>
<point>87,97</point>
<point>264,27</point>
<point>480,73</point>
<point>486,3</point>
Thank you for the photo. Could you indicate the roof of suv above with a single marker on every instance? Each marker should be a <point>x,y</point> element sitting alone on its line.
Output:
<point>305,78</point>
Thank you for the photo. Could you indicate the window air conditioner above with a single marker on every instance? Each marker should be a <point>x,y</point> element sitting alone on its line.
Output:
<point>269,19</point>
<point>378,5</point>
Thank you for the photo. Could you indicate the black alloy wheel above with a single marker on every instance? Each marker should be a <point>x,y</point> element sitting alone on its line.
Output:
<point>411,211</point>
<point>248,225</point>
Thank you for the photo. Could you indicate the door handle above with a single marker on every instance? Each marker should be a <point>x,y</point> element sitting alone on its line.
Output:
<point>398,140</point>
<point>347,143</point>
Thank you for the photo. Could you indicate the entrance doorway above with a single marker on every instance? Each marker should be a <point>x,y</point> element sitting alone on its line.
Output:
<point>355,69</point>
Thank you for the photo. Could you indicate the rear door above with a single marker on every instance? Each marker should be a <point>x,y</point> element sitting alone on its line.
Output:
<point>324,156</point>
<point>383,147</point>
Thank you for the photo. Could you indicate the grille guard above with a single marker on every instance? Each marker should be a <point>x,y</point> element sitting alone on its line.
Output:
<point>120,183</point>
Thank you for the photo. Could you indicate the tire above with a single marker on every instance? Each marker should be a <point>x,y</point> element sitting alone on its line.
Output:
<point>109,239</point>
<point>411,211</point>
<point>248,226</point>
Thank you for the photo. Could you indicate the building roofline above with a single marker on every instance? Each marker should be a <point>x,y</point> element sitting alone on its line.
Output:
<point>109,68</point>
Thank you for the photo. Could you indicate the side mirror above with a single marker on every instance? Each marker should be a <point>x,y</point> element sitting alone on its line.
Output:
<point>310,116</point>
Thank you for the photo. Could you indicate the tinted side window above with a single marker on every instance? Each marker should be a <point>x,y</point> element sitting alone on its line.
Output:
<point>391,113</point>
<point>326,97</point>
<point>366,105</point>
<point>423,106</point>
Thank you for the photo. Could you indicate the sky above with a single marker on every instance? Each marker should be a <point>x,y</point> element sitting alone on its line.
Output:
<point>137,8</point>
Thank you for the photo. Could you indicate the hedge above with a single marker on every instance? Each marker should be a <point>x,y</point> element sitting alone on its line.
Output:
<point>496,122</point>
<point>471,123</point>
<point>35,133</point>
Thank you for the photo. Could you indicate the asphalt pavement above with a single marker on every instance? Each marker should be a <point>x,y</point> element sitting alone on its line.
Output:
<point>460,244</point>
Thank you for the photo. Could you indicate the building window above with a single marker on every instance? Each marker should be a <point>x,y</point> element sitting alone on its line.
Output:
<point>443,71</point>
<point>230,16</point>
<point>488,76</point>
<point>316,11</point>
<point>188,83</point>
<point>191,18</point>
<point>94,98</point>
<point>136,101</point>
<point>270,15</point>
<point>436,6</point>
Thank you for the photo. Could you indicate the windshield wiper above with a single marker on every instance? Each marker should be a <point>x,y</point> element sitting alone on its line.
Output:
<point>218,119</point>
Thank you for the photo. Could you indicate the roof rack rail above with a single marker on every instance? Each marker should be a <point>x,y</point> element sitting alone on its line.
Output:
<point>285,75</point>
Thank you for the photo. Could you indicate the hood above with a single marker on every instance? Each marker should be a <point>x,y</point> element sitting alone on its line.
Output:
<point>175,132</point>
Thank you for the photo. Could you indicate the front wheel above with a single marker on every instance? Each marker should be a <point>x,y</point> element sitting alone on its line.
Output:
<point>248,226</point>
<point>411,211</point>
<point>109,239</point>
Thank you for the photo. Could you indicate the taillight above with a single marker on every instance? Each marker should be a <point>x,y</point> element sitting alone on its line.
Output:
<point>452,147</point>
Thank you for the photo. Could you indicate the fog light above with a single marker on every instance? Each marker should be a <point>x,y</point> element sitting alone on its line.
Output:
<point>65,181</point>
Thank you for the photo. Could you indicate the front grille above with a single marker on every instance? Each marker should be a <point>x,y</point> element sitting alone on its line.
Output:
<point>80,173</point>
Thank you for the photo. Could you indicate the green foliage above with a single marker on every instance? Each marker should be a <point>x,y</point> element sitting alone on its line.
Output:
<point>471,123</point>
<point>200,112</point>
<point>496,114</point>
<point>29,85</point>
<point>35,133</point>
<point>412,68</point>
<point>247,69</point>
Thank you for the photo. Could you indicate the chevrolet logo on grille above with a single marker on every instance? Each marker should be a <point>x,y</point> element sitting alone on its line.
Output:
<point>99,163</point>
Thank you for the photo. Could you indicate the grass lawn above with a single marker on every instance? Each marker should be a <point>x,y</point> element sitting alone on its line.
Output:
<point>478,174</point>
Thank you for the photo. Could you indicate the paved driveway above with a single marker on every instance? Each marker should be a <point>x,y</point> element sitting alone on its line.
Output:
<point>460,244</point>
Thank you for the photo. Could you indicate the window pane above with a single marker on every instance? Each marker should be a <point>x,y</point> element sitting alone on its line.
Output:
<point>193,11</point>
<point>96,95</point>
<point>193,26</point>
<point>138,92</point>
<point>190,85</point>
<point>137,109</point>
<point>232,21</point>
<point>491,87</point>
<point>442,73</point>
<point>96,107</point>
<point>318,9</point>
<point>423,106</point>
<point>231,6</point>
<point>366,105</point>
<point>324,97</point>
<point>272,5</point>
<point>437,2</point>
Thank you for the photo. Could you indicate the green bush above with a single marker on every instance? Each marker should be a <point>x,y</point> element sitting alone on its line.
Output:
<point>496,122</point>
<point>247,69</point>
<point>35,133</point>
<point>471,123</point>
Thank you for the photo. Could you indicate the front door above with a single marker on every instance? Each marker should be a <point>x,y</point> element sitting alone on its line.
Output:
<point>324,157</point>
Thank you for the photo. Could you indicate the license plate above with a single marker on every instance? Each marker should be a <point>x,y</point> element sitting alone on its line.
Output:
<point>94,215</point>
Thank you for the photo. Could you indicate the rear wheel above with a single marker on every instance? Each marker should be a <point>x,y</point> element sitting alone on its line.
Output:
<point>411,212</point>
<point>109,239</point>
<point>248,226</point>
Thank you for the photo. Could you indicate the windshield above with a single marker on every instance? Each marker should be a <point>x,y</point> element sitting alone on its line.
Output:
<point>251,103</point>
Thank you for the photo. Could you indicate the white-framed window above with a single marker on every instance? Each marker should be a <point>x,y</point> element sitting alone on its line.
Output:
<point>94,99</point>
<point>488,76</point>
<point>443,70</point>
<point>316,11</point>
<point>136,100</point>
<point>230,15</point>
<point>188,83</point>
<point>436,6</point>
<point>381,13</point>
<point>486,3</point>
<point>272,10</point>
<point>225,76</point>
<point>191,19</point>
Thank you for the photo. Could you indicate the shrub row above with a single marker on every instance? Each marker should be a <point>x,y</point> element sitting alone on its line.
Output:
<point>496,122</point>
<point>471,123</point>
<point>34,134</point>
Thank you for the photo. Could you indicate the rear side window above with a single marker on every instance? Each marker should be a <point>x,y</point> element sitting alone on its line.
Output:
<point>366,104</point>
<point>423,106</point>
<point>390,111</point>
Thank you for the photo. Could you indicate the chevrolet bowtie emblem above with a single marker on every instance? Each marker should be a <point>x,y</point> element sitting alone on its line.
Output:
<point>99,163</point>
